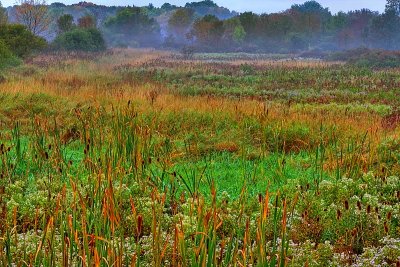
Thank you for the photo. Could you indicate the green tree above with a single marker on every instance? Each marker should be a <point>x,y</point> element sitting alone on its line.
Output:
<point>239,34</point>
<point>81,39</point>
<point>180,21</point>
<point>65,23</point>
<point>20,41</point>
<point>234,31</point>
<point>3,15</point>
<point>208,30</point>
<point>132,25</point>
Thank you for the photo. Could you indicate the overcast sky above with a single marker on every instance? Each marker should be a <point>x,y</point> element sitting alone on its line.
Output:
<point>258,6</point>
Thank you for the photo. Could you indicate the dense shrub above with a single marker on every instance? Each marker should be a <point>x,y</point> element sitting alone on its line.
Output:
<point>90,40</point>
<point>7,59</point>
<point>20,41</point>
<point>364,57</point>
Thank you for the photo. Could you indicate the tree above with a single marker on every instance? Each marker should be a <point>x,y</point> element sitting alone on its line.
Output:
<point>3,15</point>
<point>65,23</point>
<point>393,5</point>
<point>384,31</point>
<point>234,31</point>
<point>132,26</point>
<point>87,22</point>
<point>81,39</point>
<point>208,30</point>
<point>249,22</point>
<point>34,15</point>
<point>180,21</point>
<point>239,34</point>
<point>20,41</point>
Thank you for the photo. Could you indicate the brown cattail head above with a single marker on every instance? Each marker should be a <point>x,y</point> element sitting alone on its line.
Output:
<point>338,214</point>
<point>354,232</point>
<point>359,205</point>
<point>260,198</point>
<point>346,204</point>
<point>46,155</point>
<point>386,227</point>
<point>398,194</point>
<point>369,209</point>
<point>376,210</point>
<point>389,216</point>
<point>139,225</point>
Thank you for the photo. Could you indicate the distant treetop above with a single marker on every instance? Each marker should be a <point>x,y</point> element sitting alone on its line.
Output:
<point>205,3</point>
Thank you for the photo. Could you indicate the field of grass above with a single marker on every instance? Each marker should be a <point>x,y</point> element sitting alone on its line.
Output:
<point>139,158</point>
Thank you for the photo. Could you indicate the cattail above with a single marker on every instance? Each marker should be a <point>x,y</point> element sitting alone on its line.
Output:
<point>308,186</point>
<point>385,224</point>
<point>87,146</point>
<point>354,232</point>
<point>149,160</point>
<point>84,151</point>
<point>376,210</point>
<point>389,215</point>
<point>338,214</point>
<point>398,194</point>
<point>318,219</point>
<point>369,209</point>
<point>359,205</point>
<point>49,146</point>
<point>139,225</point>
<point>60,170</point>
<point>346,204</point>
<point>260,198</point>
<point>174,174</point>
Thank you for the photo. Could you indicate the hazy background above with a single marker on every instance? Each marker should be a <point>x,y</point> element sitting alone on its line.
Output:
<point>258,6</point>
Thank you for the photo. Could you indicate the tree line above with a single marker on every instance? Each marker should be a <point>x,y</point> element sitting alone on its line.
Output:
<point>202,25</point>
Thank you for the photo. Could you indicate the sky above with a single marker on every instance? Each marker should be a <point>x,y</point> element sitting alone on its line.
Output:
<point>257,6</point>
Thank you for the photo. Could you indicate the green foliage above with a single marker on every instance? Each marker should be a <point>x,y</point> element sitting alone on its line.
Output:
<point>65,23</point>
<point>20,41</point>
<point>181,20</point>
<point>132,25</point>
<point>90,40</point>
<point>239,34</point>
<point>3,15</point>
<point>208,30</point>
<point>7,59</point>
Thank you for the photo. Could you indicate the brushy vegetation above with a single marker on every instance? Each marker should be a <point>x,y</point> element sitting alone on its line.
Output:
<point>138,158</point>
